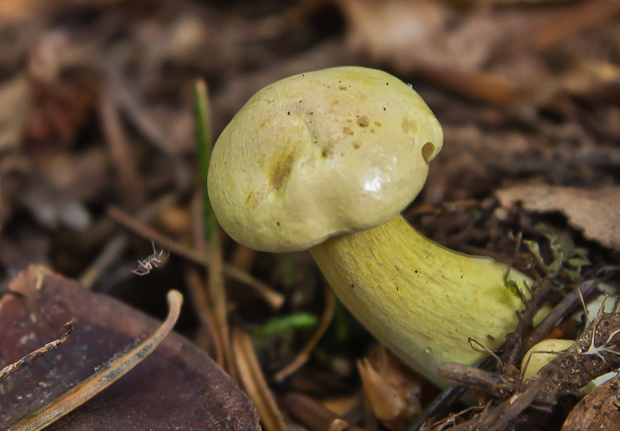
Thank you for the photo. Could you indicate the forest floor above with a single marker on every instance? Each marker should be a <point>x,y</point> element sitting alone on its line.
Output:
<point>98,158</point>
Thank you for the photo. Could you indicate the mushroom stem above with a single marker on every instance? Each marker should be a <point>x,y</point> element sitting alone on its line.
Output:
<point>421,300</point>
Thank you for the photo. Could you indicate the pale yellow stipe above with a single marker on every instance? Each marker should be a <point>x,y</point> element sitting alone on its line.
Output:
<point>421,300</point>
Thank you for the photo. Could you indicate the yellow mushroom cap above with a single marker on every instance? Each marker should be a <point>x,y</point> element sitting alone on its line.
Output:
<point>319,154</point>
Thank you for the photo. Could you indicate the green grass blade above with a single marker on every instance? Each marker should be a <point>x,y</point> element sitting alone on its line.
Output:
<point>281,324</point>
<point>204,143</point>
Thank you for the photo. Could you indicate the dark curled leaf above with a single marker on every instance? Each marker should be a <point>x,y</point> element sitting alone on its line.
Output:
<point>177,387</point>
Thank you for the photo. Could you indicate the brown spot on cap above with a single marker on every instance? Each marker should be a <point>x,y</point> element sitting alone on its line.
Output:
<point>409,125</point>
<point>281,170</point>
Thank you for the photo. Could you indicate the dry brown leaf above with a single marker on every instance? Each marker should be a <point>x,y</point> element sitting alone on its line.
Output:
<point>600,409</point>
<point>391,389</point>
<point>597,212</point>
<point>177,386</point>
<point>386,402</point>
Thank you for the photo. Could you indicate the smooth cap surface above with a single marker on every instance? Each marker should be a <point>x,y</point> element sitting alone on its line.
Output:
<point>319,154</point>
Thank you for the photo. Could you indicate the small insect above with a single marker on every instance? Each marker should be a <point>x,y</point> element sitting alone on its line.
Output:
<point>147,265</point>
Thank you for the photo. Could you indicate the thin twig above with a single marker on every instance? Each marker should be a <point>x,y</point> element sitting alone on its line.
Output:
<point>273,298</point>
<point>254,382</point>
<point>444,400</point>
<point>303,355</point>
<point>11,368</point>
<point>201,305</point>
<point>200,289</point>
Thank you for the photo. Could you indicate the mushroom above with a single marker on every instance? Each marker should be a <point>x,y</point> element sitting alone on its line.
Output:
<point>541,355</point>
<point>326,161</point>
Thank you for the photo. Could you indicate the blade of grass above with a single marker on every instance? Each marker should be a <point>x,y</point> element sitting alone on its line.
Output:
<point>217,288</point>
<point>204,143</point>
<point>200,301</point>
<point>281,324</point>
<point>287,263</point>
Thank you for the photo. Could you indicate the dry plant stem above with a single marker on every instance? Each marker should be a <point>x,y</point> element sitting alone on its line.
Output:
<point>117,244</point>
<point>217,291</point>
<point>41,272</point>
<point>99,381</point>
<point>423,301</point>
<point>197,221</point>
<point>273,298</point>
<point>253,380</point>
<point>243,257</point>
<point>198,293</point>
<point>11,368</point>
<point>302,356</point>
<point>197,288</point>
<point>129,182</point>
<point>500,416</point>
<point>452,419</point>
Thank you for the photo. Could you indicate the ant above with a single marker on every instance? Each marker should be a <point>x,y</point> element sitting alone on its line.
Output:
<point>147,265</point>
